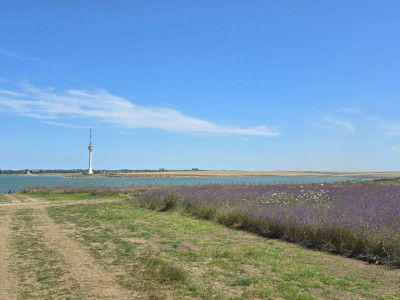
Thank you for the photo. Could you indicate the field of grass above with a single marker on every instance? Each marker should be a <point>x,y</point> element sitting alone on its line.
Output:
<point>359,220</point>
<point>76,246</point>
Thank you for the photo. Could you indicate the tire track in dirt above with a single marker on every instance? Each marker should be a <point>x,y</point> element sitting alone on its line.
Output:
<point>95,283</point>
<point>93,280</point>
<point>35,203</point>
<point>8,283</point>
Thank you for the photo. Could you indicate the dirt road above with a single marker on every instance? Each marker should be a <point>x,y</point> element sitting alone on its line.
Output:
<point>38,258</point>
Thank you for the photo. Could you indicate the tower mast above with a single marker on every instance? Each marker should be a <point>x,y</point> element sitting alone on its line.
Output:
<point>90,171</point>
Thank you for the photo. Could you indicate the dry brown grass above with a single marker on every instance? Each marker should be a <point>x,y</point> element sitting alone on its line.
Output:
<point>239,174</point>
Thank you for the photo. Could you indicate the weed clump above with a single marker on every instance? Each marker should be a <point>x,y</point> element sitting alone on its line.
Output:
<point>170,201</point>
<point>162,269</point>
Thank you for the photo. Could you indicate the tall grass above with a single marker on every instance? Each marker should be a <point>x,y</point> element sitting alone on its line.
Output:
<point>359,220</point>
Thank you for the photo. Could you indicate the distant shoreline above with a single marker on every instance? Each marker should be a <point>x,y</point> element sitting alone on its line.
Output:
<point>227,174</point>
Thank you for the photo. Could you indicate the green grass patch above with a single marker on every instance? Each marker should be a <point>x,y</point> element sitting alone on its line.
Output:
<point>180,256</point>
<point>6,198</point>
<point>72,196</point>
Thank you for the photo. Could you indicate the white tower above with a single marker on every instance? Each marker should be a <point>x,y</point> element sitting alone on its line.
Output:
<point>90,171</point>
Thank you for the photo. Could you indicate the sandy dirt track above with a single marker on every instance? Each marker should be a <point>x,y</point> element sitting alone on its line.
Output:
<point>8,284</point>
<point>93,280</point>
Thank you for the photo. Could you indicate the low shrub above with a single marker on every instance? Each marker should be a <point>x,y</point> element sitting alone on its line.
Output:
<point>170,201</point>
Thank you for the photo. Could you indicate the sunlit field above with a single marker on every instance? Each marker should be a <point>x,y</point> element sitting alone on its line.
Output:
<point>360,220</point>
<point>97,242</point>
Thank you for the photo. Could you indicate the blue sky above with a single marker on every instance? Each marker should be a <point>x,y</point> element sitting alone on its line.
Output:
<point>238,85</point>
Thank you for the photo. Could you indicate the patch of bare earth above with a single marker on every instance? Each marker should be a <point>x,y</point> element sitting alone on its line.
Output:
<point>8,283</point>
<point>336,266</point>
<point>154,242</point>
<point>25,202</point>
<point>255,271</point>
<point>190,246</point>
<point>339,266</point>
<point>385,275</point>
<point>94,280</point>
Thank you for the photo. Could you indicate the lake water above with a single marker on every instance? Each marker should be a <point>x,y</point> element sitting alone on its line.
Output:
<point>15,183</point>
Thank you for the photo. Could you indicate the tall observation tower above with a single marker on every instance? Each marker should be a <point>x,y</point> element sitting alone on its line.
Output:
<point>90,171</point>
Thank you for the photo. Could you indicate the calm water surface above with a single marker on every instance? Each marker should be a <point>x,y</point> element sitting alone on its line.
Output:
<point>15,183</point>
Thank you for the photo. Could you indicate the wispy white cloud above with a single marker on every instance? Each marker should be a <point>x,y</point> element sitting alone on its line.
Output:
<point>390,129</point>
<point>395,148</point>
<point>71,107</point>
<point>386,127</point>
<point>21,57</point>
<point>353,110</point>
<point>10,93</point>
<point>60,124</point>
<point>346,125</point>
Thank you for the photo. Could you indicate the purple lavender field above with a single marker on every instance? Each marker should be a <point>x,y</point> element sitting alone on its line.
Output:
<point>359,220</point>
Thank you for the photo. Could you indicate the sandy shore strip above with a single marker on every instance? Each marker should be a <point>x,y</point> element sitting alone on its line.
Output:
<point>231,174</point>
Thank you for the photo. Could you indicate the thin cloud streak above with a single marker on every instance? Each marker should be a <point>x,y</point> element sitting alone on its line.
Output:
<point>65,125</point>
<point>73,106</point>
<point>390,129</point>
<point>349,127</point>
<point>22,57</point>
<point>395,148</point>
<point>353,110</point>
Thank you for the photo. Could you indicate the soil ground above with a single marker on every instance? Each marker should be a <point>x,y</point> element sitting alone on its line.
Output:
<point>101,247</point>
<point>80,268</point>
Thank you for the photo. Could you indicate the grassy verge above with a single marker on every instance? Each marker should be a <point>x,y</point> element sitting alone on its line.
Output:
<point>168,255</point>
<point>356,220</point>
<point>76,196</point>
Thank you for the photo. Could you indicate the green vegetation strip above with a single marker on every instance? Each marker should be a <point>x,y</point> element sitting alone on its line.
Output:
<point>168,255</point>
